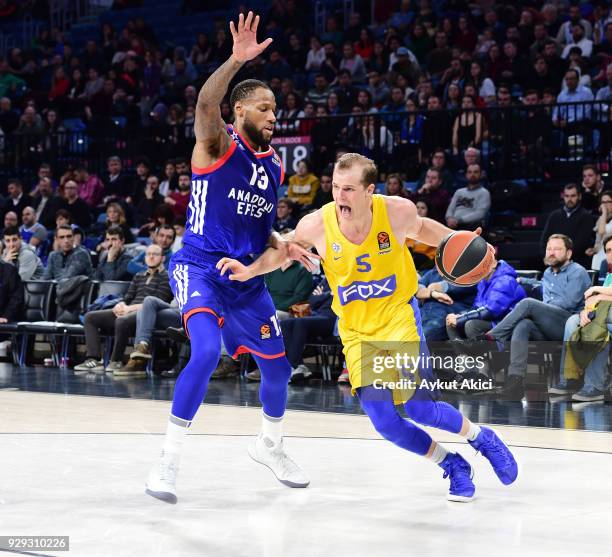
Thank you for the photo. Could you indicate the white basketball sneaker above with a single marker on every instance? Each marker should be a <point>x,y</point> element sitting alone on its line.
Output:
<point>264,451</point>
<point>161,482</point>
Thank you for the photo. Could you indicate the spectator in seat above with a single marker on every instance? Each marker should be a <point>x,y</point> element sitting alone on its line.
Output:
<point>179,200</point>
<point>378,89</point>
<point>21,255</point>
<point>437,129</point>
<point>592,188</point>
<point>164,238</point>
<point>603,229</point>
<point>422,254</point>
<point>353,63</point>
<point>288,285</point>
<point>470,156</point>
<point>395,186</point>
<point>345,91</point>
<point>114,260</point>
<point>574,221</point>
<point>438,299</point>
<point>439,58</point>
<point>324,193</point>
<point>285,219</point>
<point>11,294</point>
<point>469,206</point>
<point>46,203</point>
<point>151,200</point>
<point>566,31</point>
<point>574,119</point>
<point>164,185</point>
<point>79,210</point>
<point>153,314</point>
<point>91,188</point>
<point>320,92</point>
<point>534,132</point>
<point>438,161</point>
<point>9,119</point>
<point>303,185</point>
<point>496,295</point>
<point>595,383</point>
<point>122,318</point>
<point>179,225</point>
<point>115,216</point>
<point>277,67</point>
<point>393,112</point>
<point>143,171</point>
<point>117,185</point>
<point>433,194</point>
<point>10,220</point>
<point>68,261</point>
<point>32,232</point>
<point>578,40</point>
<point>563,286</point>
<point>540,77</point>
<point>17,200</point>
<point>468,127</point>
<point>301,330</point>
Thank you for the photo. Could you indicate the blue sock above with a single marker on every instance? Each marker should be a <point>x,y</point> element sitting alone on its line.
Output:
<point>192,383</point>
<point>379,406</point>
<point>275,375</point>
<point>441,415</point>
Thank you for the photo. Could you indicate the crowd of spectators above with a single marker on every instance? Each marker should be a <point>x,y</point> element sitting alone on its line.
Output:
<point>430,89</point>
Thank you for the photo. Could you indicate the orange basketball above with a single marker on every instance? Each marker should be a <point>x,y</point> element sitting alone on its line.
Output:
<point>464,258</point>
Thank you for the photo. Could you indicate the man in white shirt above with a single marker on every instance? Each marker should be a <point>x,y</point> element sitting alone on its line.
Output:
<point>579,40</point>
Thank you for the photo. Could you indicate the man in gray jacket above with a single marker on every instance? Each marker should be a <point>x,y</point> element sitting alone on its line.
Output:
<point>469,207</point>
<point>68,261</point>
<point>21,255</point>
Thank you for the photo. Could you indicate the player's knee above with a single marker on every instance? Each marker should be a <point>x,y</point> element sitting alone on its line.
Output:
<point>386,423</point>
<point>205,352</point>
<point>422,411</point>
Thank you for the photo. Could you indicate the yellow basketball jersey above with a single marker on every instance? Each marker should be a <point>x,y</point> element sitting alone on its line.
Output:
<point>371,282</point>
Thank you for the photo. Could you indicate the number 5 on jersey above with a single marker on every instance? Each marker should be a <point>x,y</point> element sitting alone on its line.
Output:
<point>362,265</point>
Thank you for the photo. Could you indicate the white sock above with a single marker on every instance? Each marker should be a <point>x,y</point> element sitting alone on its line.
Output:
<point>272,428</point>
<point>473,432</point>
<point>175,435</point>
<point>439,454</point>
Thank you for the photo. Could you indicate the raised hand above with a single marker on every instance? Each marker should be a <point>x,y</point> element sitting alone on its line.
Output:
<point>245,38</point>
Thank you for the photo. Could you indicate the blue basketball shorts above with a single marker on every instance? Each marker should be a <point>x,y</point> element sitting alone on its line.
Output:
<point>244,310</point>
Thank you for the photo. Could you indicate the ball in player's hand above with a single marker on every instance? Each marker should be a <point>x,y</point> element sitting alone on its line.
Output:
<point>464,258</point>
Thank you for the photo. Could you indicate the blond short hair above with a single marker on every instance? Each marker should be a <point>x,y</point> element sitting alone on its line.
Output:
<point>370,170</point>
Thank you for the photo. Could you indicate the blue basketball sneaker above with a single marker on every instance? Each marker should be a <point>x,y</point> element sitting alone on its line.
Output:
<point>460,472</point>
<point>497,453</point>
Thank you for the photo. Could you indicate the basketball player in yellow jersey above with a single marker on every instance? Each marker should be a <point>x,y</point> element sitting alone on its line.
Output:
<point>360,238</point>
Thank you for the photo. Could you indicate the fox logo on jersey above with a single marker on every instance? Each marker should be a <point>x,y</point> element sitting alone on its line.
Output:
<point>363,291</point>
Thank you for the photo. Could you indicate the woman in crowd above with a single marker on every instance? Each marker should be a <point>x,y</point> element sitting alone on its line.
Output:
<point>467,129</point>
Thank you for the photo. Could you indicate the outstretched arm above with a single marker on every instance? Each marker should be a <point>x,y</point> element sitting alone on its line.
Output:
<point>296,249</point>
<point>211,139</point>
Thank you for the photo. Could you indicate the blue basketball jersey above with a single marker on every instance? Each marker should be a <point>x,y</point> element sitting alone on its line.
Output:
<point>233,202</point>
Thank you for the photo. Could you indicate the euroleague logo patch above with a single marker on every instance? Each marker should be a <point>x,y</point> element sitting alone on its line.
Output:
<point>265,331</point>
<point>384,242</point>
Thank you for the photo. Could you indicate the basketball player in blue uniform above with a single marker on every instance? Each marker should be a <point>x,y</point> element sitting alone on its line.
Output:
<point>235,178</point>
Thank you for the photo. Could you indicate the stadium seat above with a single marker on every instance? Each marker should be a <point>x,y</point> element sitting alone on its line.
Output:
<point>39,296</point>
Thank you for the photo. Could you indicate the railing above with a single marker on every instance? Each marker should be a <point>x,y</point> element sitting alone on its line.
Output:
<point>517,142</point>
<point>63,13</point>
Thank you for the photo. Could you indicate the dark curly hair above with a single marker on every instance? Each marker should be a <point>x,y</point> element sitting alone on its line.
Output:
<point>244,89</point>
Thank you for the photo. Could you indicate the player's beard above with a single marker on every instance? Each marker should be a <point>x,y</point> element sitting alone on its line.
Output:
<point>254,135</point>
